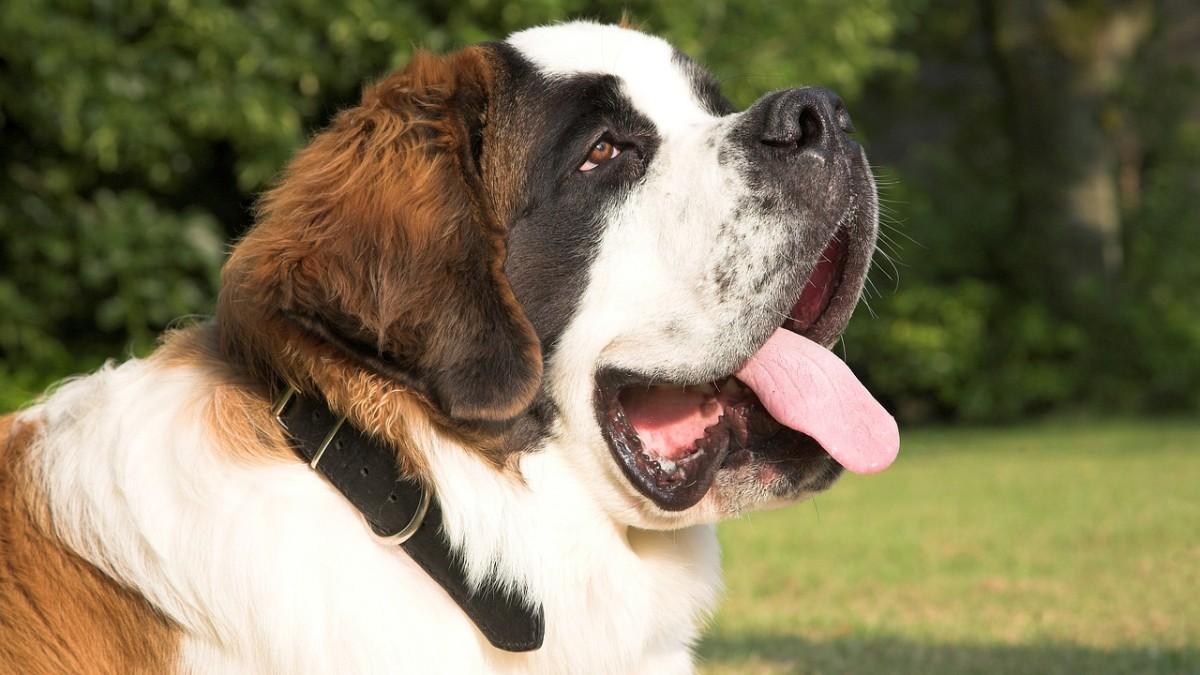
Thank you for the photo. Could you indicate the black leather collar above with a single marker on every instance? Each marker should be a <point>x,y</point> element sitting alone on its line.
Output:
<point>401,511</point>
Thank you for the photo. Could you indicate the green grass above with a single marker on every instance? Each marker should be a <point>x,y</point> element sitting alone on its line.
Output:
<point>1040,549</point>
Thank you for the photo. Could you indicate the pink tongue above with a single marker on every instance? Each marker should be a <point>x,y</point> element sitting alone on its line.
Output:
<point>806,388</point>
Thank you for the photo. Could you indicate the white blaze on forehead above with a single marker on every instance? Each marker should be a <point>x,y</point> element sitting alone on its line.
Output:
<point>657,85</point>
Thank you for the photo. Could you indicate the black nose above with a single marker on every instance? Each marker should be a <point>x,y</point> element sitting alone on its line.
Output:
<point>810,118</point>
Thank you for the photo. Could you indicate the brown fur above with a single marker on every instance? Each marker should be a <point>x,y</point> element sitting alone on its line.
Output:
<point>236,407</point>
<point>374,275</point>
<point>629,21</point>
<point>58,613</point>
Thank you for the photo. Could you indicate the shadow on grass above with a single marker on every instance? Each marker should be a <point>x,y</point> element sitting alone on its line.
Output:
<point>896,656</point>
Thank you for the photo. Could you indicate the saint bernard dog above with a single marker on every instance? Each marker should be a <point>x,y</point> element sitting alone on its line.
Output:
<point>566,302</point>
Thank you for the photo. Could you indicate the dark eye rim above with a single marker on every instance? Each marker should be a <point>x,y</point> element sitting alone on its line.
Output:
<point>605,136</point>
<point>622,146</point>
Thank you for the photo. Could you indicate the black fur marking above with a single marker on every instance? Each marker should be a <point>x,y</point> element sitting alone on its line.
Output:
<point>704,85</point>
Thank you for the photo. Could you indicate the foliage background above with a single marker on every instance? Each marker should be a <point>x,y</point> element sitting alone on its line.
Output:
<point>1039,161</point>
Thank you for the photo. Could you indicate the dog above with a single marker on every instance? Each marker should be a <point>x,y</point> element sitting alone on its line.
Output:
<point>505,341</point>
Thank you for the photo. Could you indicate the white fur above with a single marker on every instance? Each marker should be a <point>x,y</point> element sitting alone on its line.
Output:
<point>643,63</point>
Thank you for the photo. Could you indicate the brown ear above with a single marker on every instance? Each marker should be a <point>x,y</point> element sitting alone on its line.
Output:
<point>382,242</point>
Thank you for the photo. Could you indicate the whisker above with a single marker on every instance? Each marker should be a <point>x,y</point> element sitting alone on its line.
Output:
<point>872,287</point>
<point>906,235</point>
<point>870,309</point>
<point>895,276</point>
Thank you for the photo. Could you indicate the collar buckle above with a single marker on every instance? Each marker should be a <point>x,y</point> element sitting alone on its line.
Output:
<point>279,407</point>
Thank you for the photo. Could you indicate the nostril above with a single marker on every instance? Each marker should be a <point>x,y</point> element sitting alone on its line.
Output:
<point>809,119</point>
<point>811,128</point>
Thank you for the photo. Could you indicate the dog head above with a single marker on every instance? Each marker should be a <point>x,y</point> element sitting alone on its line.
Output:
<point>571,241</point>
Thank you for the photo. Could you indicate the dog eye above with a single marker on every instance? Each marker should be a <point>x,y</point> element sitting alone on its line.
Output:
<point>601,152</point>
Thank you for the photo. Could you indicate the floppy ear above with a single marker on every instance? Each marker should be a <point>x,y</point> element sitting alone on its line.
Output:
<point>381,241</point>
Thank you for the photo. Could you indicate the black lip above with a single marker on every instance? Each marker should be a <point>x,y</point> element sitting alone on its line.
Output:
<point>857,224</point>
<point>778,444</point>
<point>674,491</point>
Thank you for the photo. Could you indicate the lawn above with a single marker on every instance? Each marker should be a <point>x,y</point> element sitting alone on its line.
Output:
<point>1041,549</point>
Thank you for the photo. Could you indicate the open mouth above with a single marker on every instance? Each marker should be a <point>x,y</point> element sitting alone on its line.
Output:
<point>791,400</point>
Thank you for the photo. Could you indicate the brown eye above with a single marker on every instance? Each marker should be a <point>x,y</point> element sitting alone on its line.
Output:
<point>602,151</point>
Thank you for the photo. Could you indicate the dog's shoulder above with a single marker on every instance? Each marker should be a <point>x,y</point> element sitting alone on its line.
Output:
<point>79,469</point>
<point>58,613</point>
